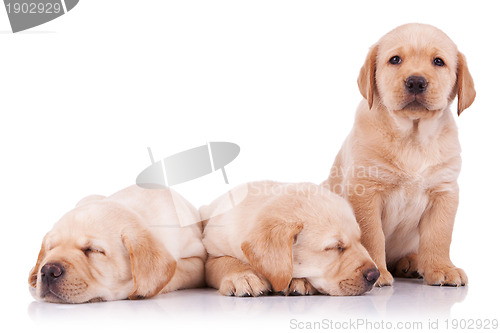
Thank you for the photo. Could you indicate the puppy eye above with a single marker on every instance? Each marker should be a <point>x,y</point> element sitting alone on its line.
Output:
<point>338,248</point>
<point>438,62</point>
<point>395,60</point>
<point>88,251</point>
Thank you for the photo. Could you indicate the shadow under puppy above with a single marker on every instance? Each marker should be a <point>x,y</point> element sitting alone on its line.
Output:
<point>129,245</point>
<point>295,239</point>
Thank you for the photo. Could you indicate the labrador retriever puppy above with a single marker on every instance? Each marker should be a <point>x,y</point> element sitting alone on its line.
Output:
<point>129,245</point>
<point>294,239</point>
<point>399,165</point>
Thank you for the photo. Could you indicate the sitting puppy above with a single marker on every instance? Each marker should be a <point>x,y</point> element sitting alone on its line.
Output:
<point>129,245</point>
<point>295,239</point>
<point>399,166</point>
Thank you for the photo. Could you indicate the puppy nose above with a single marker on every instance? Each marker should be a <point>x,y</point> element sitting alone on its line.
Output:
<point>51,272</point>
<point>371,275</point>
<point>416,84</point>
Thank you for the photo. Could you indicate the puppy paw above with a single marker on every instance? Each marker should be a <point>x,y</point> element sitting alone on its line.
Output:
<point>244,284</point>
<point>446,275</point>
<point>407,267</point>
<point>300,287</point>
<point>385,278</point>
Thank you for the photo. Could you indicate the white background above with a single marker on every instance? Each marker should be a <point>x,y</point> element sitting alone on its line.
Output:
<point>82,97</point>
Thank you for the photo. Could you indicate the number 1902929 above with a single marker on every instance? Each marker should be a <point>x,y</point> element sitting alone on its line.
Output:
<point>33,8</point>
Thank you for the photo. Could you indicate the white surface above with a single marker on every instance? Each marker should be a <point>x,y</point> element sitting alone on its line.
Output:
<point>408,302</point>
<point>83,96</point>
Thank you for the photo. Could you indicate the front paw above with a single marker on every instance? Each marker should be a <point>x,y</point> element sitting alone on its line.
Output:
<point>445,275</point>
<point>300,287</point>
<point>246,283</point>
<point>407,267</point>
<point>385,278</point>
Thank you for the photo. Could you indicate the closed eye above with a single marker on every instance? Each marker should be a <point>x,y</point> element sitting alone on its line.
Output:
<point>90,251</point>
<point>338,247</point>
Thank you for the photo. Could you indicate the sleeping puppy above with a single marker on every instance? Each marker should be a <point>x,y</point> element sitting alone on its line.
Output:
<point>399,166</point>
<point>129,245</point>
<point>295,239</point>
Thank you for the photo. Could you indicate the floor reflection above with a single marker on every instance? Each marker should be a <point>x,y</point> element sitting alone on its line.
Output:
<point>407,298</point>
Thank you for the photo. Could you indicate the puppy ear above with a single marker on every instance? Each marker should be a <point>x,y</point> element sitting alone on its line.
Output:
<point>34,271</point>
<point>152,265</point>
<point>269,251</point>
<point>366,78</point>
<point>465,85</point>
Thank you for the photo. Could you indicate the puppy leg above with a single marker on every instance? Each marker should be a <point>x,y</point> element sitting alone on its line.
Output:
<point>406,267</point>
<point>373,240</point>
<point>233,277</point>
<point>189,273</point>
<point>367,212</point>
<point>300,287</point>
<point>435,231</point>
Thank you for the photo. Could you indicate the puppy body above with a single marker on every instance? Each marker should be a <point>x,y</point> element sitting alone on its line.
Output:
<point>290,238</point>
<point>129,245</point>
<point>399,165</point>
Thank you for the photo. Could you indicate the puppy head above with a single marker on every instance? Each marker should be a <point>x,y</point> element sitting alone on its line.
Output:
<point>99,251</point>
<point>311,234</point>
<point>416,71</point>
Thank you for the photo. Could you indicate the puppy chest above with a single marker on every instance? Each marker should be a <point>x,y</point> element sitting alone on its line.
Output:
<point>402,210</point>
